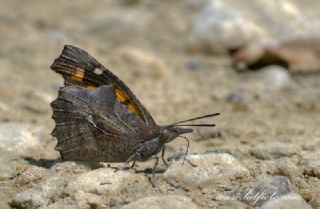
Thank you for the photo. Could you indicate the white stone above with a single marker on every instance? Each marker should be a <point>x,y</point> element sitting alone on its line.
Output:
<point>274,77</point>
<point>224,24</point>
<point>209,168</point>
<point>103,180</point>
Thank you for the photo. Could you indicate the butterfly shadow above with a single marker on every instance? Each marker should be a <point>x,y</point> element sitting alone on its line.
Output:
<point>44,163</point>
<point>151,171</point>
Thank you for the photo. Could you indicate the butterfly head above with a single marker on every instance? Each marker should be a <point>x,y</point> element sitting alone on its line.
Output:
<point>169,133</point>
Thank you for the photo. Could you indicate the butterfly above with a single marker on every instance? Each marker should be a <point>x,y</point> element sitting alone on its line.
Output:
<point>99,119</point>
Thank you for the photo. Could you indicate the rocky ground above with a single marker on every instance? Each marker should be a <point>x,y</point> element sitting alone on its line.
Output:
<point>264,152</point>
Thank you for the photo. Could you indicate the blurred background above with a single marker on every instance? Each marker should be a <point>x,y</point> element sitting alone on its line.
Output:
<point>256,62</point>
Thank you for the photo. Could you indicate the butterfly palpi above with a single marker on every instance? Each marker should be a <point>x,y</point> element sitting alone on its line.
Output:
<point>99,119</point>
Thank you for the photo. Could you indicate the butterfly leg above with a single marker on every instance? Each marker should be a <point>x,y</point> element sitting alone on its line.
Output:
<point>156,162</point>
<point>133,164</point>
<point>162,156</point>
<point>133,158</point>
<point>144,149</point>
<point>153,177</point>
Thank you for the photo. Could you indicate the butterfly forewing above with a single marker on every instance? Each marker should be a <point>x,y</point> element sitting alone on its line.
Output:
<point>80,69</point>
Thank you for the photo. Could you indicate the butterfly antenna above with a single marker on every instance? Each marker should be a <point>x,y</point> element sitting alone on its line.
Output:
<point>202,125</point>
<point>196,118</point>
<point>188,143</point>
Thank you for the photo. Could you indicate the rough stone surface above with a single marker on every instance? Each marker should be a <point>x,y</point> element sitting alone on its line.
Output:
<point>31,176</point>
<point>7,170</point>
<point>49,189</point>
<point>207,168</point>
<point>74,185</point>
<point>311,164</point>
<point>42,194</point>
<point>104,181</point>
<point>288,201</point>
<point>287,168</point>
<point>275,151</point>
<point>162,202</point>
<point>258,192</point>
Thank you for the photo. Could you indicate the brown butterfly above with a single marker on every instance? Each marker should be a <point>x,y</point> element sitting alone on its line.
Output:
<point>99,119</point>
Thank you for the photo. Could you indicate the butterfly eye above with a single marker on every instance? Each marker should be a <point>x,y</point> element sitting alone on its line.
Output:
<point>164,132</point>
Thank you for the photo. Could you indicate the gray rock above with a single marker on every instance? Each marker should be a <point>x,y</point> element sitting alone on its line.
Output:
<point>162,202</point>
<point>263,189</point>
<point>273,150</point>
<point>19,139</point>
<point>288,201</point>
<point>207,168</point>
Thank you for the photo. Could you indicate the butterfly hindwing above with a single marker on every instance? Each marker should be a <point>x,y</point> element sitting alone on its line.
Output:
<point>80,69</point>
<point>87,120</point>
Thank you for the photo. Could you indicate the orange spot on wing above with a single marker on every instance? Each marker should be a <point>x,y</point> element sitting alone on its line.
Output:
<point>89,87</point>
<point>124,99</point>
<point>120,95</point>
<point>133,108</point>
<point>78,75</point>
